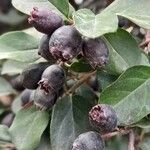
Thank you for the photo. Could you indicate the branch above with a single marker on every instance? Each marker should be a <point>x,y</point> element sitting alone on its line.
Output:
<point>131,140</point>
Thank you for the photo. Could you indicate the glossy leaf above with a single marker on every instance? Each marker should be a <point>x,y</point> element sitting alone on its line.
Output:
<point>28,127</point>
<point>129,95</point>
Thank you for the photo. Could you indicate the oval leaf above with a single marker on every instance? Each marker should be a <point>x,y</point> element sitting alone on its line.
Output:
<point>129,95</point>
<point>28,127</point>
<point>18,46</point>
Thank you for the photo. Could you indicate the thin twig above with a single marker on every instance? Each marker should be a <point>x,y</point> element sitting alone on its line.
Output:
<point>131,140</point>
<point>112,134</point>
<point>81,81</point>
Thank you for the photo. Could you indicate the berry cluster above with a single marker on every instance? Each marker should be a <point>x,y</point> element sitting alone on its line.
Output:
<point>44,83</point>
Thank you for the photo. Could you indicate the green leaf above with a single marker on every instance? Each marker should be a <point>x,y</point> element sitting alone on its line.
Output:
<point>18,46</point>
<point>13,67</point>
<point>91,25</point>
<point>4,134</point>
<point>26,6</point>
<point>69,119</point>
<point>5,87</point>
<point>80,66</point>
<point>28,127</point>
<point>144,123</point>
<point>105,79</point>
<point>145,144</point>
<point>124,52</point>
<point>61,5</point>
<point>136,11</point>
<point>129,95</point>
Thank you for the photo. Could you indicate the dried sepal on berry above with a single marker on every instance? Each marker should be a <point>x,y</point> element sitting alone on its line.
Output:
<point>103,118</point>
<point>52,78</point>
<point>44,20</point>
<point>65,43</point>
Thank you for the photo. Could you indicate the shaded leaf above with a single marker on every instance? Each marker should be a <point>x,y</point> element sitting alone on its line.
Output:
<point>4,134</point>
<point>129,95</point>
<point>144,123</point>
<point>28,127</point>
<point>69,119</point>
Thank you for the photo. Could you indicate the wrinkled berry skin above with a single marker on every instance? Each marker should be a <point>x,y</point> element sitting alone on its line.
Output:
<point>88,141</point>
<point>96,52</point>
<point>45,21</point>
<point>44,48</point>
<point>8,119</point>
<point>103,118</point>
<point>65,43</point>
<point>44,100</point>
<point>52,78</point>
<point>32,74</point>
<point>26,96</point>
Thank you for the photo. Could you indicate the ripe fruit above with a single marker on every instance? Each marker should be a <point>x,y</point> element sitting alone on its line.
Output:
<point>8,119</point>
<point>32,74</point>
<point>65,43</point>
<point>26,96</point>
<point>52,78</point>
<point>16,83</point>
<point>103,118</point>
<point>44,100</point>
<point>88,141</point>
<point>45,21</point>
<point>44,48</point>
<point>96,52</point>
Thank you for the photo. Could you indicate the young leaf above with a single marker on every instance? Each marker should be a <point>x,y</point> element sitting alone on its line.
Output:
<point>18,46</point>
<point>28,127</point>
<point>69,119</point>
<point>99,24</point>
<point>107,21</point>
<point>5,87</point>
<point>129,95</point>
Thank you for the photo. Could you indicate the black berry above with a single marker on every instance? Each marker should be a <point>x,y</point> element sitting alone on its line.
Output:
<point>96,52</point>
<point>45,21</point>
<point>16,83</point>
<point>26,96</point>
<point>52,78</point>
<point>32,74</point>
<point>103,118</point>
<point>88,141</point>
<point>65,43</point>
<point>44,100</point>
<point>44,48</point>
<point>8,119</point>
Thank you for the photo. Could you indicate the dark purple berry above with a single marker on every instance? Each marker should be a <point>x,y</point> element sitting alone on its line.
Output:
<point>32,75</point>
<point>8,119</point>
<point>44,100</point>
<point>52,78</point>
<point>65,43</point>
<point>5,5</point>
<point>88,141</point>
<point>44,48</point>
<point>96,52</point>
<point>103,118</point>
<point>45,21</point>
<point>16,83</point>
<point>26,96</point>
